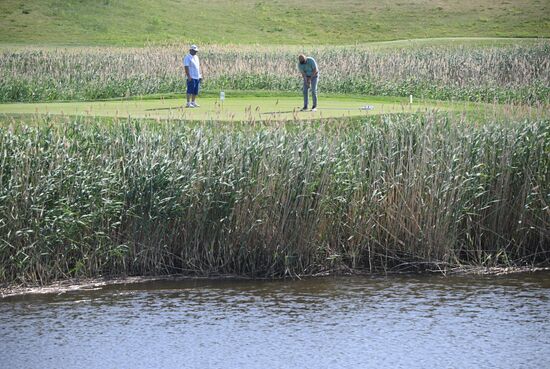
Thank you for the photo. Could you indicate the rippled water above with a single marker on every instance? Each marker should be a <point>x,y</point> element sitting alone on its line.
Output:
<point>340,322</point>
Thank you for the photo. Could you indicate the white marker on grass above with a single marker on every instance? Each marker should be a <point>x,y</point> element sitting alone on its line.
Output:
<point>411,99</point>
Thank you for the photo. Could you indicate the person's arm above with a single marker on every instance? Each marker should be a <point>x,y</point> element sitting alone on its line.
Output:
<point>301,70</point>
<point>314,73</point>
<point>308,79</point>
<point>187,73</point>
<point>315,70</point>
<point>186,62</point>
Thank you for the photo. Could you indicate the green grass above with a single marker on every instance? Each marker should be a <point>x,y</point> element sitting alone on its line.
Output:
<point>261,106</point>
<point>137,22</point>
<point>236,107</point>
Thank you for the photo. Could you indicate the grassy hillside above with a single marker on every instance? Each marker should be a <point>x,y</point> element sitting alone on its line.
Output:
<point>135,22</point>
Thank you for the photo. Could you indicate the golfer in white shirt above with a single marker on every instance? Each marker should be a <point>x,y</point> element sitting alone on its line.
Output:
<point>192,67</point>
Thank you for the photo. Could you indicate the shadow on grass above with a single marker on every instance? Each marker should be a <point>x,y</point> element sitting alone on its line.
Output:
<point>169,108</point>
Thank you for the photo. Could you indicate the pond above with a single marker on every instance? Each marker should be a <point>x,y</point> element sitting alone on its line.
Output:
<point>412,321</point>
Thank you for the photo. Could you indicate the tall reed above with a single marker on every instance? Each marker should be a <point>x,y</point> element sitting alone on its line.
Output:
<point>79,197</point>
<point>501,74</point>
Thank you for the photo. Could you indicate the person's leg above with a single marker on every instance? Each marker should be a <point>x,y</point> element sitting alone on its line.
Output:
<point>196,84</point>
<point>306,87</point>
<point>189,93</point>
<point>314,81</point>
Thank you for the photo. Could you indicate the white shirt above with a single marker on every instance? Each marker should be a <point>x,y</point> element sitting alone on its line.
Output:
<point>192,61</point>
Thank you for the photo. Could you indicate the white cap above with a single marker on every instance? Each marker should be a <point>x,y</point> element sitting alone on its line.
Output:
<point>194,48</point>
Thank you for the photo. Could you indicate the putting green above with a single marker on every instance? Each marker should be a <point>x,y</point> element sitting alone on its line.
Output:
<point>231,109</point>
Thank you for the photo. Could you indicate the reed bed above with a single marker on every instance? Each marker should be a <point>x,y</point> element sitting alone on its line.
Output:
<point>518,73</point>
<point>83,198</point>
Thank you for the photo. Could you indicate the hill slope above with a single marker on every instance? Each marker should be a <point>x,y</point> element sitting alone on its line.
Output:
<point>135,22</point>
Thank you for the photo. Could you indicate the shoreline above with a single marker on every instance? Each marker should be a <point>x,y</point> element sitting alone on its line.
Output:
<point>90,284</point>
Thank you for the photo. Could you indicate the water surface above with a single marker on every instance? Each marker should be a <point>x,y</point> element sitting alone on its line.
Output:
<point>336,322</point>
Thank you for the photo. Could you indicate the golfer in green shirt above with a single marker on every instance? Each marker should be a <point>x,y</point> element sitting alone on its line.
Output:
<point>308,68</point>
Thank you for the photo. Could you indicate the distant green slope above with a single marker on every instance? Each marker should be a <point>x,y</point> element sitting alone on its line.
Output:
<point>135,22</point>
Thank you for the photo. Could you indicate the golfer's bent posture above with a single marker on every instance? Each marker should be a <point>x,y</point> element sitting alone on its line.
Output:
<point>310,73</point>
<point>193,73</point>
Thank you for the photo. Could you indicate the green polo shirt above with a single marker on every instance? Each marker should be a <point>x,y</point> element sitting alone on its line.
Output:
<point>308,67</point>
